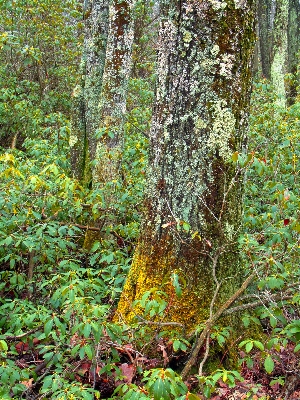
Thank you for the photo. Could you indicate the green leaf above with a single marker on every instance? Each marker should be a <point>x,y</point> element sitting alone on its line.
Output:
<point>269,365</point>
<point>191,396</point>
<point>249,347</point>
<point>87,330</point>
<point>48,327</point>
<point>186,226</point>
<point>75,350</point>
<point>81,353</point>
<point>176,284</point>
<point>86,395</point>
<point>47,382</point>
<point>3,345</point>
<point>235,156</point>
<point>88,351</point>
<point>297,348</point>
<point>176,345</point>
<point>159,390</point>
<point>48,356</point>
<point>273,322</point>
<point>259,345</point>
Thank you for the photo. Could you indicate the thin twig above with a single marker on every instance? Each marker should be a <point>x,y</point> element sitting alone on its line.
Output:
<point>205,355</point>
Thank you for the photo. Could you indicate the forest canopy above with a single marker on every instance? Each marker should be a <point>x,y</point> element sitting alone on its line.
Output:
<point>149,199</point>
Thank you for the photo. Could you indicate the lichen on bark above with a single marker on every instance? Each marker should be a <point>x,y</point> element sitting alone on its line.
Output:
<point>199,119</point>
<point>86,95</point>
<point>112,105</point>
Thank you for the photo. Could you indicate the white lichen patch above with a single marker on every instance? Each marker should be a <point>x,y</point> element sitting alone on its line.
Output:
<point>215,50</point>
<point>218,4</point>
<point>167,36</point>
<point>187,37</point>
<point>222,129</point>
<point>200,124</point>
<point>229,230</point>
<point>73,140</point>
<point>239,3</point>
<point>226,65</point>
<point>77,91</point>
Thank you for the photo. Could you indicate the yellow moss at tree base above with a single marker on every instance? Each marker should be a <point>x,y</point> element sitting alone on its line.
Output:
<point>152,271</point>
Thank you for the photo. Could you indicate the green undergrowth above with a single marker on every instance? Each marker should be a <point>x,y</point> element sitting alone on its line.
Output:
<point>57,300</point>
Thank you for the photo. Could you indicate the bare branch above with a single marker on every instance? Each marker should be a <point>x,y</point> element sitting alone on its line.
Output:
<point>210,322</point>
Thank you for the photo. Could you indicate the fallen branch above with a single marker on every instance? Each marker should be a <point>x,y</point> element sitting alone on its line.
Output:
<point>15,338</point>
<point>211,321</point>
<point>87,227</point>
<point>257,303</point>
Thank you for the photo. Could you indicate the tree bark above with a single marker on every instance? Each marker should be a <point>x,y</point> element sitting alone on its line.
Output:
<point>279,61</point>
<point>100,99</point>
<point>265,18</point>
<point>293,40</point>
<point>279,43</point>
<point>194,190</point>
<point>112,106</point>
<point>86,116</point>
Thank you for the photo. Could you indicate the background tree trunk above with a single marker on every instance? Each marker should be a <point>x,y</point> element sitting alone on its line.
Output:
<point>279,43</point>
<point>293,49</point>
<point>194,189</point>
<point>86,116</point>
<point>279,61</point>
<point>265,18</point>
<point>112,107</point>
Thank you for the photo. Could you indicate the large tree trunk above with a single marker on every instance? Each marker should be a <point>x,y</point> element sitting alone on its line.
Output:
<point>200,116</point>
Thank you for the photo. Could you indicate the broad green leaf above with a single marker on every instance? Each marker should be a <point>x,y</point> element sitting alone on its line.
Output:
<point>86,395</point>
<point>48,327</point>
<point>3,345</point>
<point>159,390</point>
<point>176,345</point>
<point>87,330</point>
<point>249,347</point>
<point>259,345</point>
<point>269,365</point>
<point>88,351</point>
<point>297,348</point>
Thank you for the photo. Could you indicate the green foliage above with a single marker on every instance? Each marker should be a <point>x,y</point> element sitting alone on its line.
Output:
<point>209,382</point>
<point>159,384</point>
<point>61,296</point>
<point>39,50</point>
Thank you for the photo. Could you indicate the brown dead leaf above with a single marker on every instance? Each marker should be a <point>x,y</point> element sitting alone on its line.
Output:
<point>128,371</point>
<point>165,355</point>
<point>28,384</point>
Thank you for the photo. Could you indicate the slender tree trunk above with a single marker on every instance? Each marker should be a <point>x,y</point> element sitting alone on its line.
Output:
<point>112,106</point>
<point>279,44</point>
<point>279,62</point>
<point>265,18</point>
<point>100,99</point>
<point>194,189</point>
<point>293,49</point>
<point>86,116</point>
